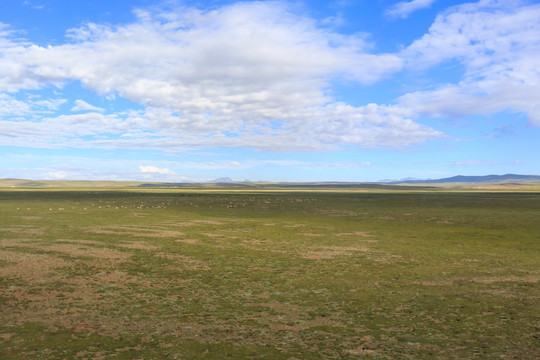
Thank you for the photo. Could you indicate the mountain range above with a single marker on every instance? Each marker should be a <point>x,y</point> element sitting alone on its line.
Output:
<point>486,179</point>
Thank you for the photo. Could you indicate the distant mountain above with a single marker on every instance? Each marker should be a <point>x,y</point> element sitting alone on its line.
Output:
<point>486,179</point>
<point>222,180</point>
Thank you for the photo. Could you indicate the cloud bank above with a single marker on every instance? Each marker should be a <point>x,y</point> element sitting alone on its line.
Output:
<point>498,45</point>
<point>259,75</point>
<point>246,75</point>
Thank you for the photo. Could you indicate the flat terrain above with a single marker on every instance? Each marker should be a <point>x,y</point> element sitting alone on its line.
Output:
<point>214,274</point>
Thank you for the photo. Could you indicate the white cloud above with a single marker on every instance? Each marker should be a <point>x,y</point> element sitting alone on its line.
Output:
<point>68,130</point>
<point>155,170</point>
<point>54,175</point>
<point>244,75</point>
<point>11,106</point>
<point>498,44</point>
<point>81,105</point>
<point>311,129</point>
<point>243,48</point>
<point>404,8</point>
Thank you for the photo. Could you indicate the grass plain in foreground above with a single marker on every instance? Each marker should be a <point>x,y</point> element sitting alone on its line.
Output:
<point>182,274</point>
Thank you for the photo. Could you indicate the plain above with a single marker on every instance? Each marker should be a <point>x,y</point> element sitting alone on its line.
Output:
<point>278,273</point>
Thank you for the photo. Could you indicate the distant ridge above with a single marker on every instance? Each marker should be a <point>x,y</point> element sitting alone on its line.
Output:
<point>222,180</point>
<point>486,179</point>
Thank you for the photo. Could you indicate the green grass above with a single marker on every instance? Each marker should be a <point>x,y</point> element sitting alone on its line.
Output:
<point>306,274</point>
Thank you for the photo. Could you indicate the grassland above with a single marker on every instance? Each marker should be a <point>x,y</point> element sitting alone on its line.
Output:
<point>283,274</point>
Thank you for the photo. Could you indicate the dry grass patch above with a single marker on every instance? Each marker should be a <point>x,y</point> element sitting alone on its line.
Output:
<point>29,267</point>
<point>338,212</point>
<point>99,253</point>
<point>16,243</point>
<point>530,279</point>
<point>114,277</point>
<point>30,218</point>
<point>312,234</point>
<point>139,246</point>
<point>129,231</point>
<point>355,233</point>
<point>330,252</point>
<point>195,223</point>
<point>188,241</point>
<point>293,226</point>
<point>433,282</point>
<point>25,230</point>
<point>368,347</point>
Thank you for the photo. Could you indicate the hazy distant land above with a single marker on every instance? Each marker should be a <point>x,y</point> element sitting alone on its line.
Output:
<point>505,181</point>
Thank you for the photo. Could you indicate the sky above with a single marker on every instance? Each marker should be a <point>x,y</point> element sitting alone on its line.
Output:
<point>302,90</point>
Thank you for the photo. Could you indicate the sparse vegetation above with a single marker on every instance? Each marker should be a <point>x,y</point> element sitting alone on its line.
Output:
<point>305,274</point>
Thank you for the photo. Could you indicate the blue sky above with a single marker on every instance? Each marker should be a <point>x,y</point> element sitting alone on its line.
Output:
<point>273,91</point>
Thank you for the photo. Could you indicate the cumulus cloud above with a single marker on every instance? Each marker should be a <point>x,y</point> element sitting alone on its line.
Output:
<point>155,170</point>
<point>238,51</point>
<point>244,75</point>
<point>81,105</point>
<point>258,75</point>
<point>498,45</point>
<point>404,8</point>
<point>11,106</point>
